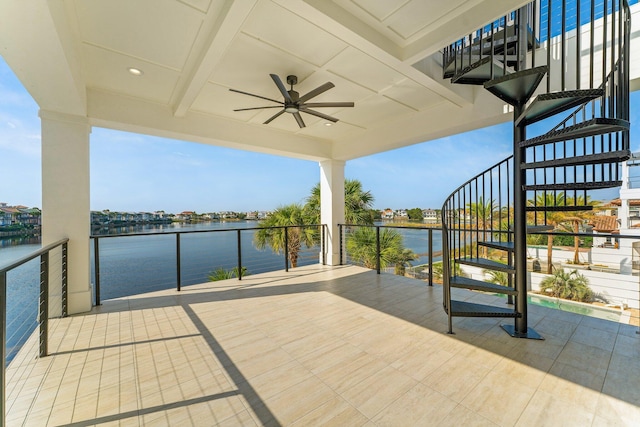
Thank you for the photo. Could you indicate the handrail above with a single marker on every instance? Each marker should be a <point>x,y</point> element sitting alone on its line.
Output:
<point>342,227</point>
<point>177,234</point>
<point>33,255</point>
<point>43,309</point>
<point>102,236</point>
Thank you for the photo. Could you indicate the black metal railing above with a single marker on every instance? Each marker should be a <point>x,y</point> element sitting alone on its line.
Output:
<point>405,250</point>
<point>478,210</point>
<point>52,274</point>
<point>609,262</point>
<point>164,260</point>
<point>547,27</point>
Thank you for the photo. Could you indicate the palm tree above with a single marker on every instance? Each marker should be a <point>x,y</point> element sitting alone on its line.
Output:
<point>553,218</point>
<point>357,204</point>
<point>497,277</point>
<point>557,220</point>
<point>361,245</point>
<point>578,219</point>
<point>572,285</point>
<point>404,260</point>
<point>483,213</point>
<point>290,215</point>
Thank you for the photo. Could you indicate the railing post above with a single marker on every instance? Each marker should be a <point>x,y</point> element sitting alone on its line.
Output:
<point>43,312</point>
<point>340,237</point>
<point>65,269</point>
<point>322,244</point>
<point>430,256</point>
<point>96,260</point>
<point>378,249</point>
<point>3,344</point>
<point>239,255</point>
<point>178,264</point>
<point>286,248</point>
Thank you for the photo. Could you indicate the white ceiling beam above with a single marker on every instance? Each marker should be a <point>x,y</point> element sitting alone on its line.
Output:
<point>461,21</point>
<point>331,17</point>
<point>46,53</point>
<point>218,32</point>
<point>437,122</point>
<point>109,110</point>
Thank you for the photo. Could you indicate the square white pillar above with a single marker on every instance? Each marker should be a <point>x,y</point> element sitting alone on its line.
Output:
<point>332,205</point>
<point>65,199</point>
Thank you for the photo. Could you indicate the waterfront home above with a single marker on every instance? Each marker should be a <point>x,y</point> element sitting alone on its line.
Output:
<point>340,80</point>
<point>19,215</point>
<point>387,214</point>
<point>430,216</point>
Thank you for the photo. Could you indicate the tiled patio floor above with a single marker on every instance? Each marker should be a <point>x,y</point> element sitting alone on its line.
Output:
<point>322,346</point>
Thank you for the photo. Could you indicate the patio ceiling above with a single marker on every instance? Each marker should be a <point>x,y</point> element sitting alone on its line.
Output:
<point>73,57</point>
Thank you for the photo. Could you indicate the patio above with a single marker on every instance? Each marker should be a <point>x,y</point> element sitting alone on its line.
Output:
<point>321,346</point>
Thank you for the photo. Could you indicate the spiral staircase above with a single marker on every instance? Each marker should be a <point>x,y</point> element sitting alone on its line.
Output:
<point>562,66</point>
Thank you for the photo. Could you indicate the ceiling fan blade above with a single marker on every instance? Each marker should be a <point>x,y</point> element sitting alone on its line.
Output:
<point>317,114</point>
<point>328,104</point>
<point>278,114</point>
<point>299,119</point>
<point>257,96</point>
<point>317,91</point>
<point>283,90</point>
<point>258,108</point>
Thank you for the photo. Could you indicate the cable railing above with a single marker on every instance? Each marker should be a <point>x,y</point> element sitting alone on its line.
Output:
<point>127,264</point>
<point>43,295</point>
<point>609,262</point>
<point>404,250</point>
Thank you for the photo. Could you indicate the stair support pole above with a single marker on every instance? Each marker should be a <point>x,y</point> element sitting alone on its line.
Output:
<point>520,329</point>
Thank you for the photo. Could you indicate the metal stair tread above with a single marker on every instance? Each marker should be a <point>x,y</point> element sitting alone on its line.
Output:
<point>479,72</point>
<point>597,126</point>
<point>474,58</point>
<point>539,228</point>
<point>485,263</point>
<point>549,104</point>
<point>518,87</point>
<point>469,309</point>
<point>505,246</point>
<point>589,159</point>
<point>574,186</point>
<point>478,285</point>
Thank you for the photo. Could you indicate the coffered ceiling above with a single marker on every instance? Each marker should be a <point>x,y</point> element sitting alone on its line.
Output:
<point>74,57</point>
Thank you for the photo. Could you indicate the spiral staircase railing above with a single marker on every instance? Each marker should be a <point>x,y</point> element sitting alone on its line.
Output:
<point>579,119</point>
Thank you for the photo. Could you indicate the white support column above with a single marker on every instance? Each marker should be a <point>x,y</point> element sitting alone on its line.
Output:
<point>65,198</point>
<point>332,205</point>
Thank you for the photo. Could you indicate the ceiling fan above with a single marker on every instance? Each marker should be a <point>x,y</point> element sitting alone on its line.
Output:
<point>294,103</point>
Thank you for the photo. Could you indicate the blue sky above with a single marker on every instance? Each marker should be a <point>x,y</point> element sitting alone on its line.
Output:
<point>133,172</point>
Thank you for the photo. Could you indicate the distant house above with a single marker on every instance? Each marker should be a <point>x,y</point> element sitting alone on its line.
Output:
<point>14,215</point>
<point>185,215</point>
<point>430,216</point>
<point>228,215</point>
<point>386,214</point>
<point>401,213</point>
<point>252,215</point>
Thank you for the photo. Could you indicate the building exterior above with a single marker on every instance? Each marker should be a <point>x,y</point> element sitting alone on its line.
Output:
<point>430,216</point>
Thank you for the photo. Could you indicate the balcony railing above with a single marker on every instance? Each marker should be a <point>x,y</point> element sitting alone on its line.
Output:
<point>50,298</point>
<point>381,248</point>
<point>156,261</point>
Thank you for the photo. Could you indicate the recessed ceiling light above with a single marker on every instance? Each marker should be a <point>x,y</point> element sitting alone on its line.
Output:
<point>328,124</point>
<point>135,71</point>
